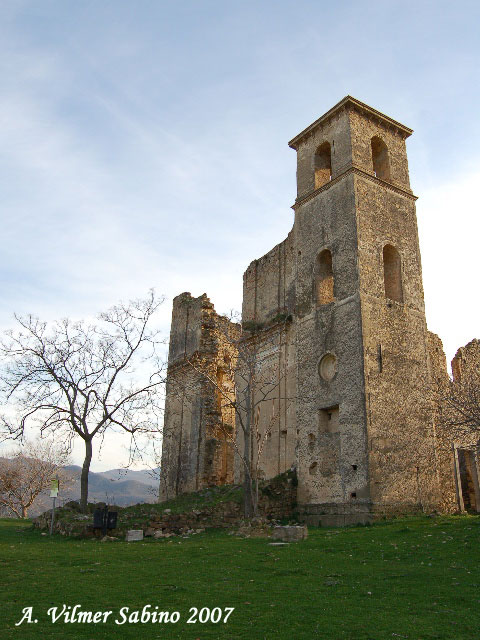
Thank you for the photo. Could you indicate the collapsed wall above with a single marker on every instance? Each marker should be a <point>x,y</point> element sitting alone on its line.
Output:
<point>197,440</point>
<point>462,416</point>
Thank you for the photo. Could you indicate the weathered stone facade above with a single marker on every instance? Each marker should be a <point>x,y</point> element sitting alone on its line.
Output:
<point>355,364</point>
<point>457,404</point>
<point>198,425</point>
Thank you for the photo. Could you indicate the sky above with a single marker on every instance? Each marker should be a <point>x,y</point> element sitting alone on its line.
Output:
<point>144,144</point>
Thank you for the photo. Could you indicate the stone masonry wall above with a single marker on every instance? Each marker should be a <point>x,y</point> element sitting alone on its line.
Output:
<point>445,458</point>
<point>199,423</point>
<point>397,383</point>
<point>330,422</point>
<point>465,440</point>
<point>269,339</point>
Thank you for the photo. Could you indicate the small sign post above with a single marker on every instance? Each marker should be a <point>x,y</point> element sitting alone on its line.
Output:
<point>55,485</point>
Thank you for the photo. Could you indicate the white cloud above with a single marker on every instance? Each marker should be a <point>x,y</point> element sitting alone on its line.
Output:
<point>449,228</point>
<point>135,153</point>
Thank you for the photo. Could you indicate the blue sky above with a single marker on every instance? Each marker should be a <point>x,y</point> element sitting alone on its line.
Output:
<point>144,144</point>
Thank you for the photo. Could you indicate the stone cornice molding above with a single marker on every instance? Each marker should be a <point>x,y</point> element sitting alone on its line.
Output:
<point>266,332</point>
<point>353,104</point>
<point>359,172</point>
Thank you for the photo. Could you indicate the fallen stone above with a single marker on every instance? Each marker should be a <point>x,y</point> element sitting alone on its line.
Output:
<point>108,539</point>
<point>133,535</point>
<point>290,533</point>
<point>150,532</point>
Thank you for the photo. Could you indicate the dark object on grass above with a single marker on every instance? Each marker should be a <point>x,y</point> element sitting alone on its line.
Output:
<point>104,519</point>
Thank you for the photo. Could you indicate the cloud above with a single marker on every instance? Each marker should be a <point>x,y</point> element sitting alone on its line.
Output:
<point>449,227</point>
<point>148,148</point>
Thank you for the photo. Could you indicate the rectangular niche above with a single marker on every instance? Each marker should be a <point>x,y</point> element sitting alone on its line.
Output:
<point>328,421</point>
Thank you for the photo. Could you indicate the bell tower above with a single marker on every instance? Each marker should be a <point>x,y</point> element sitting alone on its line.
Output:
<point>343,361</point>
<point>364,421</point>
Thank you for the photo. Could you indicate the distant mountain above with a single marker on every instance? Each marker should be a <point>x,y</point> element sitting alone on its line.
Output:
<point>122,487</point>
<point>116,486</point>
<point>147,476</point>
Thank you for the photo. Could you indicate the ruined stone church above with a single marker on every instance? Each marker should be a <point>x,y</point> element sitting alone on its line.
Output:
<point>336,315</point>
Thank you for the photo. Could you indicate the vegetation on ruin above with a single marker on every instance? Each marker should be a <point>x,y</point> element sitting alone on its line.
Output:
<point>74,521</point>
<point>415,578</point>
<point>138,515</point>
<point>202,499</point>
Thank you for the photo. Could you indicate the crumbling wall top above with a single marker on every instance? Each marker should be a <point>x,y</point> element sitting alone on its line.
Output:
<point>466,360</point>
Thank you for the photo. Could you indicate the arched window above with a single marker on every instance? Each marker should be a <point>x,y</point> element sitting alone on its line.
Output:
<point>324,278</point>
<point>323,165</point>
<point>381,164</point>
<point>392,273</point>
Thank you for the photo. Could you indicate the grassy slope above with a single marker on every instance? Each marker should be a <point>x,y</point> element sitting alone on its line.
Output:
<point>414,578</point>
<point>139,515</point>
<point>188,501</point>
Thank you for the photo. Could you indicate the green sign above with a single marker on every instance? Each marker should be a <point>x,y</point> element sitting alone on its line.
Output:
<point>55,485</point>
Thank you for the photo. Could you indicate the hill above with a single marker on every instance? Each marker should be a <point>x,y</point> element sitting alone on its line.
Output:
<point>116,486</point>
<point>122,487</point>
<point>145,476</point>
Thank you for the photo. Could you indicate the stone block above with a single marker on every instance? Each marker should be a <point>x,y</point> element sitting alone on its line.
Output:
<point>134,535</point>
<point>290,533</point>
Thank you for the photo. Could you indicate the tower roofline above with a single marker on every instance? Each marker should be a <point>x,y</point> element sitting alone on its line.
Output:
<point>353,103</point>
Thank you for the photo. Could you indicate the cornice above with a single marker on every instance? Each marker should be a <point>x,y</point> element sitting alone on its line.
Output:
<point>356,171</point>
<point>351,103</point>
<point>266,331</point>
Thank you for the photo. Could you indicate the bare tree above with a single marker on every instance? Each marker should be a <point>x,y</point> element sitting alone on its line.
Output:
<point>457,399</point>
<point>27,472</point>
<point>79,379</point>
<point>255,398</point>
<point>460,402</point>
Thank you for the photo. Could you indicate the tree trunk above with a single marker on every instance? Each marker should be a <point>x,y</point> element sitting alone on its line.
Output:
<point>84,476</point>
<point>247,484</point>
<point>248,502</point>
<point>24,512</point>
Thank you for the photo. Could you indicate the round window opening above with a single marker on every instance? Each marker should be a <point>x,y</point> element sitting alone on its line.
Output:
<point>327,367</point>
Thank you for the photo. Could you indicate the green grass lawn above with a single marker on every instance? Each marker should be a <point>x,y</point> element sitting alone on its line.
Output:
<point>413,578</point>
